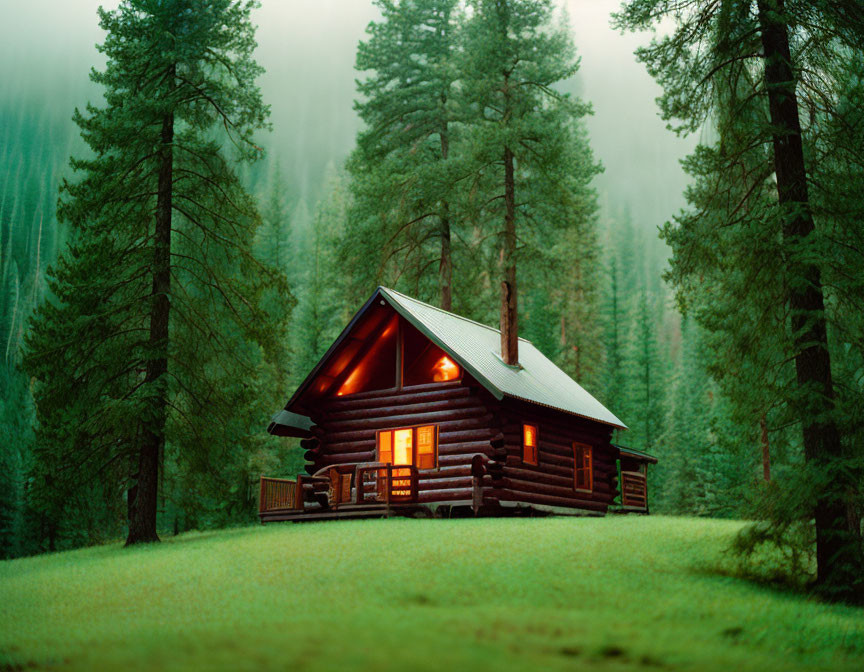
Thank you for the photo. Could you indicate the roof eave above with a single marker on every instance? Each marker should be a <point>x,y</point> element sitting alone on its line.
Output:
<point>564,410</point>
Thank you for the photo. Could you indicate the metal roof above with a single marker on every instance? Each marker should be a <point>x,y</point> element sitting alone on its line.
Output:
<point>477,348</point>
<point>638,454</point>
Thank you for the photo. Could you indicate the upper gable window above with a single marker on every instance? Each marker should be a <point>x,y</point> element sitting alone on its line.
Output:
<point>423,361</point>
<point>373,363</point>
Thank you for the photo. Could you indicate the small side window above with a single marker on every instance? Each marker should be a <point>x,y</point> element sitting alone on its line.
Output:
<point>529,445</point>
<point>583,476</point>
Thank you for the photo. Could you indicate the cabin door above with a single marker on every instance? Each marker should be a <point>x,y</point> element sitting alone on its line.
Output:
<point>397,448</point>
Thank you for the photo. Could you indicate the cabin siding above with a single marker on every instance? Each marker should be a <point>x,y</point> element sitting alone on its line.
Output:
<point>471,422</point>
<point>346,431</point>
<point>551,482</point>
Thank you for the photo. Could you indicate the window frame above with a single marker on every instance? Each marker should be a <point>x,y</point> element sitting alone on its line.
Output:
<point>536,446</point>
<point>587,450</point>
<point>414,444</point>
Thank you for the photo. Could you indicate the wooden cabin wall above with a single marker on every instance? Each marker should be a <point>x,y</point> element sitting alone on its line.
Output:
<point>464,412</point>
<point>551,482</point>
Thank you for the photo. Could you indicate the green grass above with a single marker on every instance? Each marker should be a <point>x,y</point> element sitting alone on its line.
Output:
<point>544,593</point>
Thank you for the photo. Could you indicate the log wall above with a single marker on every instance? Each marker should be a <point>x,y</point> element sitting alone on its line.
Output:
<point>474,429</point>
<point>464,412</point>
<point>551,482</point>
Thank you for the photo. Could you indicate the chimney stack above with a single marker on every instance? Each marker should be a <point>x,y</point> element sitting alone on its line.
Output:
<point>509,325</point>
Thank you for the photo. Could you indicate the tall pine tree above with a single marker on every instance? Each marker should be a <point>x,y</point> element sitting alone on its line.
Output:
<point>160,313</point>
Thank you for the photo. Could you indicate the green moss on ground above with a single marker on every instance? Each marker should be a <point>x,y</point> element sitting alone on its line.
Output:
<point>552,593</point>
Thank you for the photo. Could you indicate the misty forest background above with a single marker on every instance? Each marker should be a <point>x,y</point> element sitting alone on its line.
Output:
<point>591,270</point>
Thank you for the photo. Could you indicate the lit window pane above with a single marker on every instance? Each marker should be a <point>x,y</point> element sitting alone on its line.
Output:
<point>402,444</point>
<point>385,447</point>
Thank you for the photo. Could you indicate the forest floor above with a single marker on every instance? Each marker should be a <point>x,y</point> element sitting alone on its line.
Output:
<point>613,593</point>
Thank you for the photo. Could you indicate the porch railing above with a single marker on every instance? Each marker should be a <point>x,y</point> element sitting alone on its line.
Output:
<point>340,485</point>
<point>634,489</point>
<point>280,493</point>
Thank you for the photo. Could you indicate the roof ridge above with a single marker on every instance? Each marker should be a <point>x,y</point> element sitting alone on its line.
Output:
<point>448,312</point>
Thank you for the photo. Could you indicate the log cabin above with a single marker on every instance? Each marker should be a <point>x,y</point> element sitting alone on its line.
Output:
<point>417,411</point>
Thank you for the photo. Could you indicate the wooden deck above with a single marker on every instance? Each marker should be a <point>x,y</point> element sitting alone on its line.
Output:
<point>634,492</point>
<point>364,490</point>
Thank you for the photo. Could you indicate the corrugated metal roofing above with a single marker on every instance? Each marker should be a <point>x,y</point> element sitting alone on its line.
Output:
<point>477,346</point>
<point>639,454</point>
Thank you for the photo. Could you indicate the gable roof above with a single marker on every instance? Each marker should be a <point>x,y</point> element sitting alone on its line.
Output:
<point>476,347</point>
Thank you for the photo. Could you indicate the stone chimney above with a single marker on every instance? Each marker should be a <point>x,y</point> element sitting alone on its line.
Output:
<point>509,325</point>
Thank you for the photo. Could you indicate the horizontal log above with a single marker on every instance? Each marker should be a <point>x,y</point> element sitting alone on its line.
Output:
<point>555,490</point>
<point>558,463</point>
<point>600,454</point>
<point>463,435</point>
<point>390,417</point>
<point>445,495</point>
<point>467,447</point>
<point>535,498</point>
<point>444,425</point>
<point>541,476</point>
<point>450,403</point>
<point>445,484</point>
<point>408,395</point>
<point>454,460</point>
<point>366,445</point>
<point>347,458</point>
<point>460,437</point>
<point>558,433</point>
<point>444,472</point>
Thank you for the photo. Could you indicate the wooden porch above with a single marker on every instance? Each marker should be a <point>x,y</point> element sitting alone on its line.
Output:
<point>634,491</point>
<point>368,489</point>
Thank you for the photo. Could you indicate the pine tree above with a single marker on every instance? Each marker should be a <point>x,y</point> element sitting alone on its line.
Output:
<point>162,310</point>
<point>273,245</point>
<point>529,162</point>
<point>750,255</point>
<point>404,178</point>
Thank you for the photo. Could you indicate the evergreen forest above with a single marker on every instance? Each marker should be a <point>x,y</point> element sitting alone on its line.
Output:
<point>191,212</point>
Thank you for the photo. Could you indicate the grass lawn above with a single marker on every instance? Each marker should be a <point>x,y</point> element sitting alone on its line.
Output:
<point>609,593</point>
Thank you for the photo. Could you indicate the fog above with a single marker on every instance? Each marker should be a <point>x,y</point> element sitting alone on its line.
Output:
<point>307,48</point>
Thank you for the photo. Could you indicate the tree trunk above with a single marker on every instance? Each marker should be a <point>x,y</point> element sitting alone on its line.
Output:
<point>142,519</point>
<point>835,539</point>
<point>766,450</point>
<point>509,303</point>
<point>445,268</point>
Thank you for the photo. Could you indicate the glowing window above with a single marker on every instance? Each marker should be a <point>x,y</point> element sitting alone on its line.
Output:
<point>445,369</point>
<point>529,444</point>
<point>424,362</point>
<point>583,477</point>
<point>403,446</point>
<point>372,369</point>
<point>409,445</point>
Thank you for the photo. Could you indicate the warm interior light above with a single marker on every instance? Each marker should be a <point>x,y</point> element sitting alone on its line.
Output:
<point>370,363</point>
<point>402,454</point>
<point>351,382</point>
<point>445,369</point>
